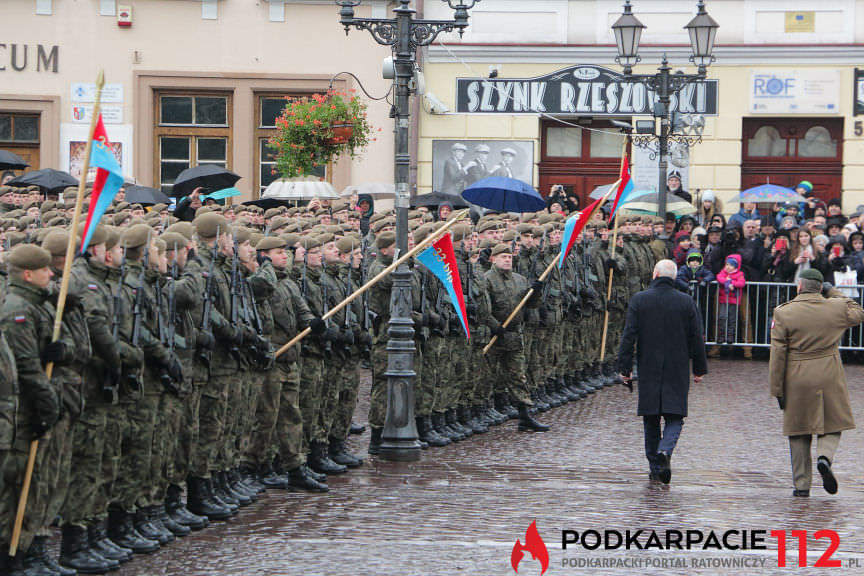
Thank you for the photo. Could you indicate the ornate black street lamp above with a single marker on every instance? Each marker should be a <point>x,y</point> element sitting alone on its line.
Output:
<point>628,31</point>
<point>404,33</point>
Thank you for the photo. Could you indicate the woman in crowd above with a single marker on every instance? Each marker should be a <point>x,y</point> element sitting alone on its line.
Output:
<point>709,207</point>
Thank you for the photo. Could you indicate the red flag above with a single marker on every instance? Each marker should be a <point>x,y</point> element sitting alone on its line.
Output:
<point>574,226</point>
<point>99,135</point>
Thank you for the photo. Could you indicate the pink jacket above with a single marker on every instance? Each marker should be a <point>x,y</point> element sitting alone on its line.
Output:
<point>730,285</point>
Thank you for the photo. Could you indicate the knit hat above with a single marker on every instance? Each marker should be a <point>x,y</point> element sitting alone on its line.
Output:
<point>805,185</point>
<point>694,255</point>
<point>733,261</point>
<point>708,196</point>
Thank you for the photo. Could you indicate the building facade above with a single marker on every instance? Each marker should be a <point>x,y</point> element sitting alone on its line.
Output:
<point>189,82</point>
<point>781,109</point>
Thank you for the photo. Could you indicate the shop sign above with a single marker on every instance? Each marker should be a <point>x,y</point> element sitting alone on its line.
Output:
<point>795,92</point>
<point>579,90</point>
<point>859,91</point>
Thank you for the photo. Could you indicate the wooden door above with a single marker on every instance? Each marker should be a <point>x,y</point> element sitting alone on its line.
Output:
<point>19,133</point>
<point>785,151</point>
<point>29,153</point>
<point>579,157</point>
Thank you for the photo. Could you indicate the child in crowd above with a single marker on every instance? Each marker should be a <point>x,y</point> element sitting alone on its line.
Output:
<point>693,271</point>
<point>731,282</point>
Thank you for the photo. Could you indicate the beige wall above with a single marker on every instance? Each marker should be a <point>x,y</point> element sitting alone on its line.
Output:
<point>169,39</point>
<point>714,164</point>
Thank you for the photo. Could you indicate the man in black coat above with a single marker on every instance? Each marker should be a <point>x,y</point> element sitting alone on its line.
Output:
<point>665,328</point>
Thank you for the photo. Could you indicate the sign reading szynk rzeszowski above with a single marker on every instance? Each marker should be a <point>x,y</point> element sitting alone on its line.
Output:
<point>588,90</point>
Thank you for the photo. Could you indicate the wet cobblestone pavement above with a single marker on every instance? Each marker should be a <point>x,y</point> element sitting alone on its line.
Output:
<point>461,508</point>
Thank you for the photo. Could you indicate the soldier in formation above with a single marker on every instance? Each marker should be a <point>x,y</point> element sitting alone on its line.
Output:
<point>169,401</point>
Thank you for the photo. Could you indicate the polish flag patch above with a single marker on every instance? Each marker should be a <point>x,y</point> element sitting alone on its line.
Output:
<point>20,319</point>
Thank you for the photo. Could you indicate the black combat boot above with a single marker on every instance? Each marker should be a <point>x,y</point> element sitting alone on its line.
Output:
<point>122,532</point>
<point>160,514</point>
<point>148,528</point>
<point>249,478</point>
<point>453,420</point>
<point>238,484</point>
<point>439,420</point>
<point>340,455</point>
<point>268,477</point>
<point>175,508</point>
<point>549,395</point>
<point>539,399</point>
<point>314,475</point>
<point>228,486</point>
<point>585,381</point>
<point>493,412</point>
<point>471,419</point>
<point>39,559</point>
<point>76,554</point>
<point>321,463</point>
<point>428,434</point>
<point>375,441</point>
<point>506,407</point>
<point>201,503</point>
<point>98,540</point>
<point>300,480</point>
<point>527,423</point>
<point>221,492</point>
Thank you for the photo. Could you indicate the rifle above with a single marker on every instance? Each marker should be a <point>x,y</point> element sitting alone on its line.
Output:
<point>118,299</point>
<point>139,295</point>
<point>367,322</point>
<point>162,331</point>
<point>235,295</point>
<point>325,308</point>
<point>204,355</point>
<point>172,307</point>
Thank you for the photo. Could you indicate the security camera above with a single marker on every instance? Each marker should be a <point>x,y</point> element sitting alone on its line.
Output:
<point>435,105</point>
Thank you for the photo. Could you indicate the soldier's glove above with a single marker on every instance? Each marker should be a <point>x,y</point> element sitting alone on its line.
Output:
<point>826,287</point>
<point>587,293</point>
<point>39,426</point>
<point>364,339</point>
<point>46,413</point>
<point>471,308</point>
<point>346,337</point>
<point>54,352</point>
<point>612,264</point>
<point>109,388</point>
<point>262,259</point>
<point>262,344</point>
<point>499,331</point>
<point>331,334</point>
<point>318,326</point>
<point>781,402</point>
<point>537,285</point>
<point>204,340</point>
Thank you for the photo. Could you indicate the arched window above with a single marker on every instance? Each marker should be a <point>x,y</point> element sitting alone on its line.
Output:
<point>766,142</point>
<point>817,143</point>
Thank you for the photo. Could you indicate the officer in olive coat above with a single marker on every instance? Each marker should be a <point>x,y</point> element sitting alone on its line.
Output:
<point>806,375</point>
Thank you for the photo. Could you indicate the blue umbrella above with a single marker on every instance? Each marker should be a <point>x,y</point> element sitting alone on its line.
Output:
<point>768,193</point>
<point>504,195</point>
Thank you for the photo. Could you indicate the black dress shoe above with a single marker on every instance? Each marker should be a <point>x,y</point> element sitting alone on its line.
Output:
<point>356,428</point>
<point>529,424</point>
<point>654,477</point>
<point>665,472</point>
<point>829,482</point>
<point>801,493</point>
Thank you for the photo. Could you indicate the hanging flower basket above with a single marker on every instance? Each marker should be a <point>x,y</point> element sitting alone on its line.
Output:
<point>313,130</point>
<point>341,133</point>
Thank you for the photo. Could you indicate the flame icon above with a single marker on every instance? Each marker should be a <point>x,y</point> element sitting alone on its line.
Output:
<point>533,544</point>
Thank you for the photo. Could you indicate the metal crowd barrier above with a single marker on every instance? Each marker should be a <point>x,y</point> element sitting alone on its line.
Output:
<point>749,322</point>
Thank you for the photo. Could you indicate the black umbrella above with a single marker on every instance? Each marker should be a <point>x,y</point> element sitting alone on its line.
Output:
<point>437,198</point>
<point>50,181</point>
<point>11,161</point>
<point>207,175</point>
<point>146,196</point>
<point>267,203</point>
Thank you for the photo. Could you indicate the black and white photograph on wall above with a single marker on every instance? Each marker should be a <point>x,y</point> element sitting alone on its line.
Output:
<point>859,91</point>
<point>456,164</point>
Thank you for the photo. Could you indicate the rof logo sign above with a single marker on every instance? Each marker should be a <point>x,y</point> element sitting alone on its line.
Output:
<point>533,544</point>
<point>773,87</point>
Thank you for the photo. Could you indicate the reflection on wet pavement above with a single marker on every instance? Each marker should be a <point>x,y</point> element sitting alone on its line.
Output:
<point>461,508</point>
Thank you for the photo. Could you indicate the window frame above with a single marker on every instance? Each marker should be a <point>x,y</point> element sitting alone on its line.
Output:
<point>191,131</point>
<point>12,141</point>
<point>265,132</point>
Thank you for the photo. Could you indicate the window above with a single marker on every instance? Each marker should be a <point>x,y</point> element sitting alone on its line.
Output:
<point>191,130</point>
<point>817,143</point>
<point>563,142</point>
<point>19,128</point>
<point>269,108</point>
<point>600,140</point>
<point>766,142</point>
